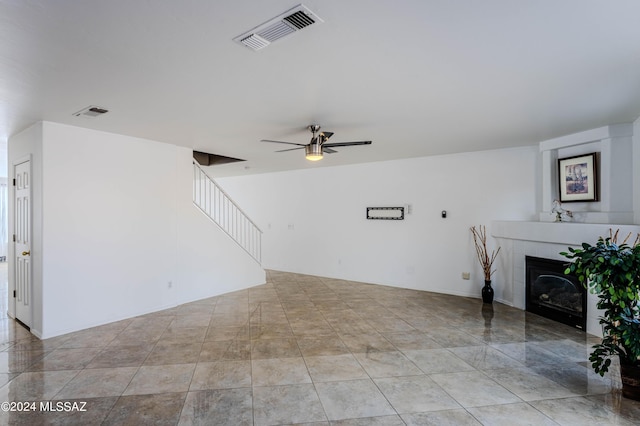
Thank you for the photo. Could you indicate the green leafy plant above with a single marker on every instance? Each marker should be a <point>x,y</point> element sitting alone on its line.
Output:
<point>612,271</point>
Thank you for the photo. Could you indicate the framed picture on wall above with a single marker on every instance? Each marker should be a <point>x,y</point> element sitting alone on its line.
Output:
<point>578,178</point>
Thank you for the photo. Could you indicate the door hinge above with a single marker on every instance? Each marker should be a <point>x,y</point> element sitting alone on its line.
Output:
<point>14,182</point>
<point>14,238</point>
<point>14,293</point>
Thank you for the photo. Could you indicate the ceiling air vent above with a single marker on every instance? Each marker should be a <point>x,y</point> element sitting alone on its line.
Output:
<point>281,26</point>
<point>299,20</point>
<point>255,42</point>
<point>91,112</point>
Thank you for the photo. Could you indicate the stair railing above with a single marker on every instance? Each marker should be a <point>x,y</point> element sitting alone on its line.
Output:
<point>222,210</point>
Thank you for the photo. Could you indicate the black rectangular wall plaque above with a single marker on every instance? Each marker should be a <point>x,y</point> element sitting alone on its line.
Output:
<point>385,213</point>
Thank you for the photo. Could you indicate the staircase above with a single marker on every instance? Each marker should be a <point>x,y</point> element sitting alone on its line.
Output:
<point>220,208</point>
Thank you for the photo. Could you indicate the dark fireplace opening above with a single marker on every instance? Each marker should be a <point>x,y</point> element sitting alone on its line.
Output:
<point>553,294</point>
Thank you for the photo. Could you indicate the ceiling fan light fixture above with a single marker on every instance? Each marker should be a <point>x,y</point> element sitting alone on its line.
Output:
<point>316,148</point>
<point>313,152</point>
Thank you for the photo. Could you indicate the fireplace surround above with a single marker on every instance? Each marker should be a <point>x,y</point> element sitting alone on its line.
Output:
<point>539,239</point>
<point>539,236</point>
<point>553,294</point>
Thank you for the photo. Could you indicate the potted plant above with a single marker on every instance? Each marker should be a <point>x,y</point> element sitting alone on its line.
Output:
<point>486,260</point>
<point>612,271</point>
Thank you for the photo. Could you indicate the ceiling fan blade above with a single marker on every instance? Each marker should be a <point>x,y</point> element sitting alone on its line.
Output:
<point>328,150</point>
<point>288,143</point>
<point>326,135</point>
<point>290,149</point>
<point>347,143</point>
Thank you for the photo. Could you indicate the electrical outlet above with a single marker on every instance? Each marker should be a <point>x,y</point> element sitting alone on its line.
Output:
<point>466,275</point>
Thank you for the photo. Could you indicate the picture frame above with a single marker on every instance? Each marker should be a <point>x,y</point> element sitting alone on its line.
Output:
<point>578,178</point>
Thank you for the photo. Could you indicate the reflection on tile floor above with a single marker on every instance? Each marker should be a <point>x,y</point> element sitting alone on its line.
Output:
<point>306,349</point>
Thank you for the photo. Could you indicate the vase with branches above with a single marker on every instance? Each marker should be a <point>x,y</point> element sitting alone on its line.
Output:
<point>486,260</point>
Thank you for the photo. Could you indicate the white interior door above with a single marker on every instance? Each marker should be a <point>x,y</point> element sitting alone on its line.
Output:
<point>22,231</point>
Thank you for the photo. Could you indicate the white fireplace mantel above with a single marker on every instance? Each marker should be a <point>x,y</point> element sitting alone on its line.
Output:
<point>566,233</point>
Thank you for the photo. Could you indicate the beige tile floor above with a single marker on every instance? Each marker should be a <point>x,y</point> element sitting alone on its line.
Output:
<point>312,350</point>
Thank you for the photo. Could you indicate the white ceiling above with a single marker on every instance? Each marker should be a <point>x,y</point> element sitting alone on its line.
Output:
<point>417,78</point>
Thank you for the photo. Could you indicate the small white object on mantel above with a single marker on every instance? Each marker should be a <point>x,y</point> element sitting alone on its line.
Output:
<point>562,215</point>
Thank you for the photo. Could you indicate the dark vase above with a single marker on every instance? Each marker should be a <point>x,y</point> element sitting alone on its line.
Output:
<point>630,375</point>
<point>487,292</point>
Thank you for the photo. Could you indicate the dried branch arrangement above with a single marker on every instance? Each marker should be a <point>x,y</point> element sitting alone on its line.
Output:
<point>614,238</point>
<point>486,260</point>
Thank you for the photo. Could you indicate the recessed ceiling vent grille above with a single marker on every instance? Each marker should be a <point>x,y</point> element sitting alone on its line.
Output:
<point>276,31</point>
<point>255,42</point>
<point>299,20</point>
<point>91,111</point>
<point>281,26</point>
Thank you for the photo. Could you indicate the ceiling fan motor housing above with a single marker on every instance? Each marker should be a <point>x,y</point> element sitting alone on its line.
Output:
<point>313,151</point>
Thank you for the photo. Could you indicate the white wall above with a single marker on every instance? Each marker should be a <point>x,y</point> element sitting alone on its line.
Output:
<point>314,220</point>
<point>4,171</point>
<point>118,226</point>
<point>208,261</point>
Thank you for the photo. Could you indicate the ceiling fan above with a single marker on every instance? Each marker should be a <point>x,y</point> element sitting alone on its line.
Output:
<point>315,149</point>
